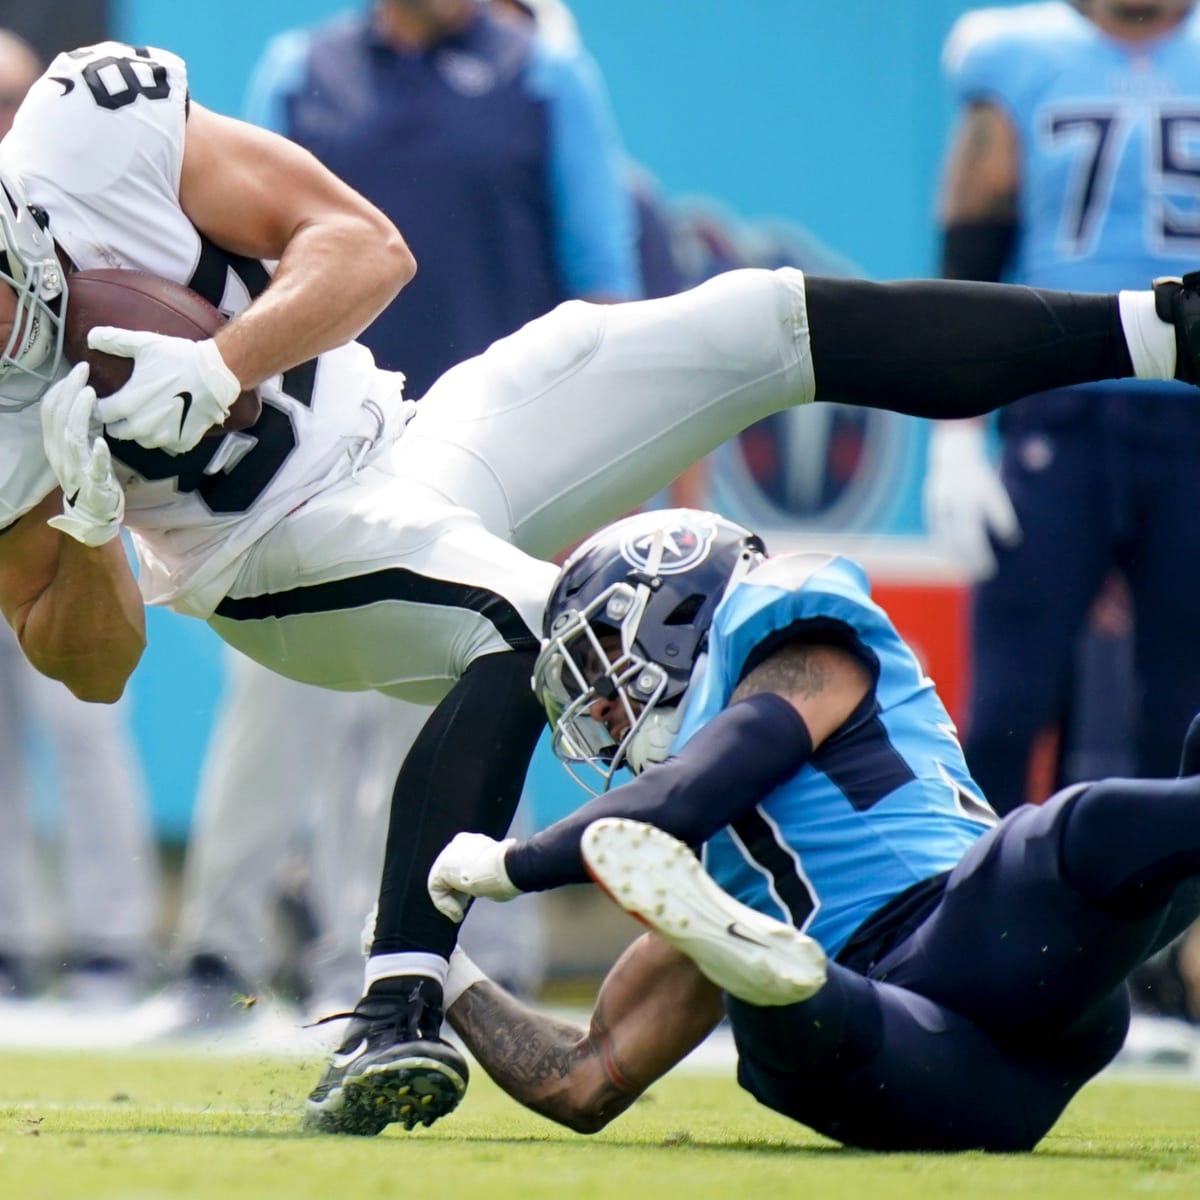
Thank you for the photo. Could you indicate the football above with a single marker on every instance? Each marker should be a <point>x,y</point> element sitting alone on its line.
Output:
<point>131,299</point>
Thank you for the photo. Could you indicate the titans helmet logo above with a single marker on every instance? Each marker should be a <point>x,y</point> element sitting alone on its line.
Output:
<point>683,546</point>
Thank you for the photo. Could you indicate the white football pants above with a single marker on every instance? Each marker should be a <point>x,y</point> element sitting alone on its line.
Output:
<point>290,769</point>
<point>399,578</point>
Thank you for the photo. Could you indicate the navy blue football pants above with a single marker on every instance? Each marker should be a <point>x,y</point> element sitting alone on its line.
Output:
<point>1112,484</point>
<point>977,1029</point>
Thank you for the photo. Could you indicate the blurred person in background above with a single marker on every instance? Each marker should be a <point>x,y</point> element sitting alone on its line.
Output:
<point>289,821</point>
<point>107,859</point>
<point>492,146</point>
<point>61,25</point>
<point>19,67</point>
<point>659,272</point>
<point>1073,167</point>
<point>96,941</point>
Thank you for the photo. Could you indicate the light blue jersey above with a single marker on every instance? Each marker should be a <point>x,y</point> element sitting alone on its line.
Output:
<point>1109,142</point>
<point>884,804</point>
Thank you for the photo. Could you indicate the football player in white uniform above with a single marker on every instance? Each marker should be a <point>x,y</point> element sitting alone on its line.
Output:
<point>107,872</point>
<point>348,539</point>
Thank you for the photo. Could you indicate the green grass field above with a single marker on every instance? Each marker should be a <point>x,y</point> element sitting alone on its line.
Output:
<point>109,1127</point>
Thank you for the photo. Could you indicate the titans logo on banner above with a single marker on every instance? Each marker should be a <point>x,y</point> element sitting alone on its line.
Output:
<point>824,467</point>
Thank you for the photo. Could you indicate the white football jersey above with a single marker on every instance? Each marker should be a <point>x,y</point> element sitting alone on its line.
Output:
<point>99,145</point>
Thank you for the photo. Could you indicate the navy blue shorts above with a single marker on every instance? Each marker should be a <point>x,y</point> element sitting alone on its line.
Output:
<point>978,1026</point>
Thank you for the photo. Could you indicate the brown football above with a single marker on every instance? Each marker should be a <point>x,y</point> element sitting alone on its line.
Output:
<point>131,299</point>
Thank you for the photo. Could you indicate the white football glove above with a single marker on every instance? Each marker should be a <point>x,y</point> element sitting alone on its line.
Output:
<point>178,390</point>
<point>93,500</point>
<point>964,497</point>
<point>472,864</point>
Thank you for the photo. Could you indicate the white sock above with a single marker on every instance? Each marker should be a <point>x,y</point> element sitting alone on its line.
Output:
<point>463,973</point>
<point>386,966</point>
<point>1150,339</point>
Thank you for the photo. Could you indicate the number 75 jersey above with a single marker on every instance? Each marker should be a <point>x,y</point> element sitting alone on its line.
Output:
<point>1109,141</point>
<point>99,144</point>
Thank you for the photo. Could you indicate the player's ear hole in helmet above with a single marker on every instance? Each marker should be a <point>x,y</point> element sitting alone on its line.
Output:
<point>31,356</point>
<point>625,632</point>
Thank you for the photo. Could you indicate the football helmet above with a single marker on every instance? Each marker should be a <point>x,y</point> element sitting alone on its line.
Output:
<point>32,355</point>
<point>627,625</point>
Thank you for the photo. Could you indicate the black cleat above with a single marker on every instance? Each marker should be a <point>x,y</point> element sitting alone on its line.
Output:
<point>391,1065</point>
<point>1177,301</point>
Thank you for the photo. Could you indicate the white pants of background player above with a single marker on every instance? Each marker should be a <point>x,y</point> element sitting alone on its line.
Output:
<point>293,768</point>
<point>288,772</point>
<point>105,899</point>
<point>570,422</point>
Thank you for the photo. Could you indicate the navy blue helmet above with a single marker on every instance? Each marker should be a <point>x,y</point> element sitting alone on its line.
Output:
<point>626,625</point>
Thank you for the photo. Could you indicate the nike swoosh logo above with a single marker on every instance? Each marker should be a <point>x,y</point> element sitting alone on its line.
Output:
<point>73,497</point>
<point>342,1059</point>
<point>186,397</point>
<point>68,85</point>
<point>735,930</point>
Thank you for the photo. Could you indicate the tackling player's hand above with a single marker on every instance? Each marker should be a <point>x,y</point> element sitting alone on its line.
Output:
<point>93,500</point>
<point>965,501</point>
<point>472,864</point>
<point>178,390</point>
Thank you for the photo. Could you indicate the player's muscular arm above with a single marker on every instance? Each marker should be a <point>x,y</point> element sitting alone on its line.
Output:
<point>982,175</point>
<point>980,197</point>
<point>825,684</point>
<point>76,610</point>
<point>341,261</point>
<point>653,1008</point>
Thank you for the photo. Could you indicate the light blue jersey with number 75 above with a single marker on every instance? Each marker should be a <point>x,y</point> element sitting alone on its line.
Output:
<point>1109,138</point>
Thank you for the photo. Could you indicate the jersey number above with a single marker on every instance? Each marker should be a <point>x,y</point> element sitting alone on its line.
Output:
<point>1174,149</point>
<point>115,82</point>
<point>233,488</point>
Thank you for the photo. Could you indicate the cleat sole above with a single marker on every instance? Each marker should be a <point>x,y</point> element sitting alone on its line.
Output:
<point>660,882</point>
<point>405,1091</point>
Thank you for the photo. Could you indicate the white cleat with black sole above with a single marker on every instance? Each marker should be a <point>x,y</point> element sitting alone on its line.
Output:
<point>658,880</point>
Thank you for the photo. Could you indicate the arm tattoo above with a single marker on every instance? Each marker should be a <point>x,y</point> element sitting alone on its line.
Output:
<point>549,1066</point>
<point>796,671</point>
<point>518,1047</point>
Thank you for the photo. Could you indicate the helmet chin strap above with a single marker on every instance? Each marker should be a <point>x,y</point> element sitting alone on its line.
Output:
<point>651,742</point>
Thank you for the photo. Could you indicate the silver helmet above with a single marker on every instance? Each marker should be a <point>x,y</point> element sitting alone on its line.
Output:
<point>32,354</point>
